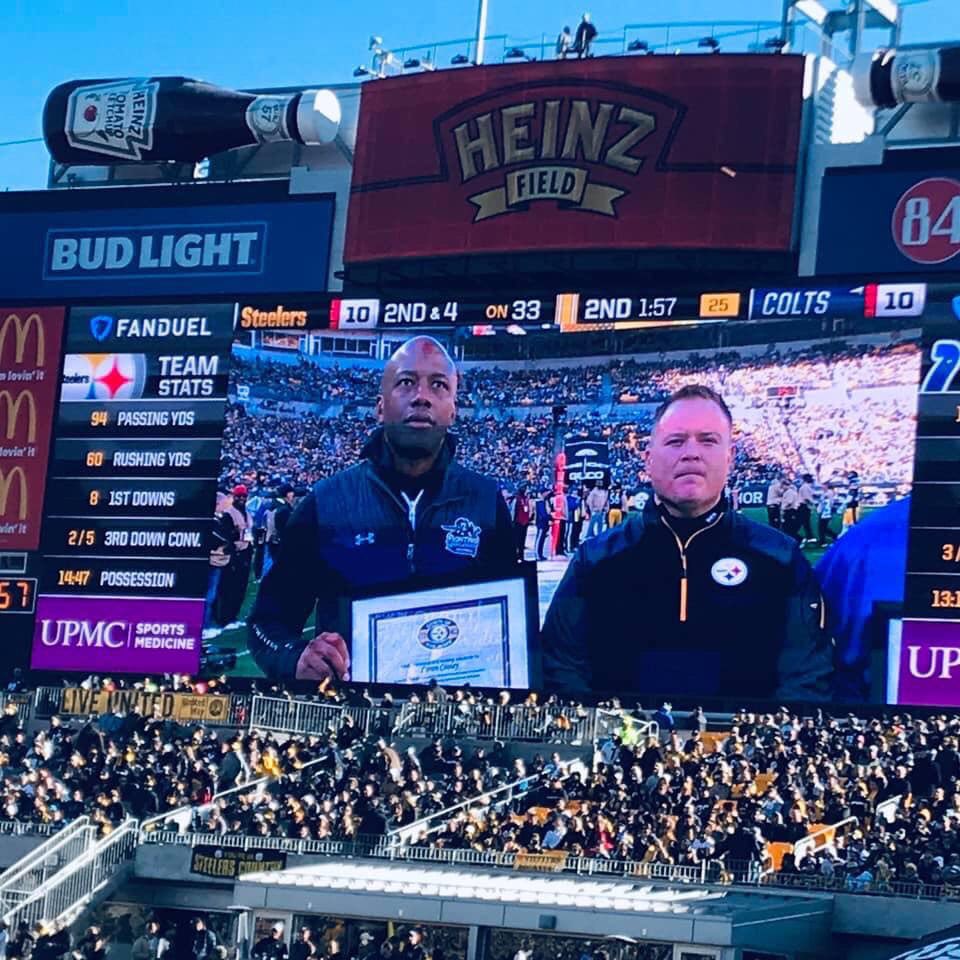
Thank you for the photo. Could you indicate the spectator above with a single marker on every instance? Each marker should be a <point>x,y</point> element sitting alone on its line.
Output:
<point>522,515</point>
<point>304,948</point>
<point>586,34</point>
<point>543,522</point>
<point>597,500</point>
<point>452,521</point>
<point>774,501</point>
<point>150,945</point>
<point>203,944</point>
<point>564,44</point>
<point>271,947</point>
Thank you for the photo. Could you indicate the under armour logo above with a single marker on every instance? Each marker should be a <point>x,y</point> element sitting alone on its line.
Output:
<point>361,538</point>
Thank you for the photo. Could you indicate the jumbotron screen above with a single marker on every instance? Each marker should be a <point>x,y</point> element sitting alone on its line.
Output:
<point>703,495</point>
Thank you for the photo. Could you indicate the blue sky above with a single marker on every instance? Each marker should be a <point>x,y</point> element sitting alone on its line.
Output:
<point>252,43</point>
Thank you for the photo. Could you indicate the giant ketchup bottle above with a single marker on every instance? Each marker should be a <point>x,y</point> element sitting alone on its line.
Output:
<point>174,118</point>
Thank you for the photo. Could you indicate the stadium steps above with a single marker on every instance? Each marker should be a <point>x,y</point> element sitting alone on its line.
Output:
<point>63,877</point>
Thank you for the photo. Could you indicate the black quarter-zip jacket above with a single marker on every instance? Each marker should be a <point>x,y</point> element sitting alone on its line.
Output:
<point>357,531</point>
<point>720,607</point>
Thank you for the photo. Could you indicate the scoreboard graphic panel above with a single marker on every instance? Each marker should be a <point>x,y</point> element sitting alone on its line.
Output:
<point>123,409</point>
<point>132,483</point>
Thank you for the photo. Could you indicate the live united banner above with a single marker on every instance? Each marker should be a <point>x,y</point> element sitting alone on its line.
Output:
<point>182,707</point>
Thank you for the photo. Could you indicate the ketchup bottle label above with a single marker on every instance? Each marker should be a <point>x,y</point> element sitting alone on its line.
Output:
<point>115,119</point>
<point>267,118</point>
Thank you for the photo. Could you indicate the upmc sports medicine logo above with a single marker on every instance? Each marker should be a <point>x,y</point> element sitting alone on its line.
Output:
<point>114,635</point>
<point>582,152</point>
<point>928,657</point>
<point>197,249</point>
<point>103,376</point>
<point>119,634</point>
<point>20,327</point>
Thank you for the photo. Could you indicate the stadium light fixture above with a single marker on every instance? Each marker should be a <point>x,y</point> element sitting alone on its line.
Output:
<point>638,46</point>
<point>709,43</point>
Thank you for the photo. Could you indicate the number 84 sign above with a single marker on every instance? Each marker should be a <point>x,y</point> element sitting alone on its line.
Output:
<point>926,221</point>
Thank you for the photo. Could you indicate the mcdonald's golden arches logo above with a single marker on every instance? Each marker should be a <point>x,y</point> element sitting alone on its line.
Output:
<point>13,406</point>
<point>6,482</point>
<point>21,327</point>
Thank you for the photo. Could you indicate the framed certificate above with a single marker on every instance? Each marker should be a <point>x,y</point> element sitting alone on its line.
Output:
<point>475,633</point>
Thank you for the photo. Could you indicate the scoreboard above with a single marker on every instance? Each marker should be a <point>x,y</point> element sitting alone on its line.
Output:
<point>930,637</point>
<point>132,482</point>
<point>112,418</point>
<point>580,311</point>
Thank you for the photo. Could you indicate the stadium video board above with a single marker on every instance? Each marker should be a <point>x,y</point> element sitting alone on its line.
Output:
<point>204,509</point>
<point>681,152</point>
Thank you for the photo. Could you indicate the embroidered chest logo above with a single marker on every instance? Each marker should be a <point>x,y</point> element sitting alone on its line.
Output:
<point>729,572</point>
<point>463,537</point>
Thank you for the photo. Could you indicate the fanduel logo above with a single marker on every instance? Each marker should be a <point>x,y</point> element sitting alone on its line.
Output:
<point>158,251</point>
<point>113,634</point>
<point>939,662</point>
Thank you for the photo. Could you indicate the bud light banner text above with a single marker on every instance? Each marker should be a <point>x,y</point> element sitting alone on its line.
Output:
<point>685,152</point>
<point>117,634</point>
<point>175,241</point>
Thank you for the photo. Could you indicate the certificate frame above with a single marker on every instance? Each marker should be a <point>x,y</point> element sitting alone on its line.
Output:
<point>506,599</point>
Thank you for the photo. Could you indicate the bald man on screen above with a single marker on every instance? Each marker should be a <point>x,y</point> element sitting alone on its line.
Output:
<point>408,514</point>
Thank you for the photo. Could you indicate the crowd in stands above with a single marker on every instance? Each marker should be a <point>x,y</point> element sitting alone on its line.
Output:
<point>736,800</point>
<point>854,410</point>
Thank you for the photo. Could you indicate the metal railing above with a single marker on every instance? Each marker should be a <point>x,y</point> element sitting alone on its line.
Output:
<point>375,847</point>
<point>185,817</point>
<point>610,723</point>
<point>714,872</point>
<point>888,809</point>
<point>25,828</point>
<point>659,37</point>
<point>22,701</point>
<point>540,724</point>
<point>382,848</point>
<point>853,883</point>
<point>22,878</point>
<point>47,701</point>
<point>823,837</point>
<point>308,718</point>
<point>493,799</point>
<point>63,896</point>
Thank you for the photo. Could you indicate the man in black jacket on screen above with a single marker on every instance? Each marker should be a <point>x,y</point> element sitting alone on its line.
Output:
<point>407,514</point>
<point>690,597</point>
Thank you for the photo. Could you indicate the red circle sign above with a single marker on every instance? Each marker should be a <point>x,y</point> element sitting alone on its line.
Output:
<point>926,221</point>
